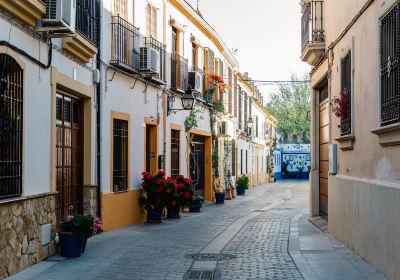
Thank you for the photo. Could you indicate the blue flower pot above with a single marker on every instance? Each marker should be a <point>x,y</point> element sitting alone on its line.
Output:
<point>154,216</point>
<point>71,245</point>
<point>220,198</point>
<point>173,212</point>
<point>241,191</point>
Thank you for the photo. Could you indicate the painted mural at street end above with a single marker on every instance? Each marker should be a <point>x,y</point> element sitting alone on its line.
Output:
<point>292,161</point>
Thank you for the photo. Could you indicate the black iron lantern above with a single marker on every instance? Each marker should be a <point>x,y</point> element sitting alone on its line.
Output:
<point>188,103</point>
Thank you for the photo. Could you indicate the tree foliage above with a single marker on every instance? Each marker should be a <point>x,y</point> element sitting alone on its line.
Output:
<point>290,105</point>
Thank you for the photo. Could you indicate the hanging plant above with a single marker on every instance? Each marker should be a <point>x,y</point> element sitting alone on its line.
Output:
<point>192,120</point>
<point>340,105</point>
<point>215,79</point>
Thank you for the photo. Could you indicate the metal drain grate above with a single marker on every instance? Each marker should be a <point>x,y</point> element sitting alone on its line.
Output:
<point>201,274</point>
<point>210,257</point>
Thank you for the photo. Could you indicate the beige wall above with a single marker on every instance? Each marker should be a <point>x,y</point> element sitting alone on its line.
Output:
<point>364,196</point>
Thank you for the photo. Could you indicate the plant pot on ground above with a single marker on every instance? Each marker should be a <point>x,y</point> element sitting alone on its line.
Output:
<point>74,231</point>
<point>156,195</point>
<point>196,204</point>
<point>242,184</point>
<point>228,194</point>
<point>219,191</point>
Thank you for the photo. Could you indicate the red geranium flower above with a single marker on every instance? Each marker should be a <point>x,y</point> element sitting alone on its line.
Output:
<point>167,190</point>
<point>161,172</point>
<point>187,195</point>
<point>149,177</point>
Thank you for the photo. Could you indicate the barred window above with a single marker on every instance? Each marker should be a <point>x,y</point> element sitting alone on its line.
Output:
<point>175,144</point>
<point>389,67</point>
<point>345,123</point>
<point>120,155</point>
<point>11,113</point>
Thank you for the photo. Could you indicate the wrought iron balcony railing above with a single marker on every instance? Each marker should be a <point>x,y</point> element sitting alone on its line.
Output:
<point>179,72</point>
<point>312,24</point>
<point>124,45</point>
<point>88,19</point>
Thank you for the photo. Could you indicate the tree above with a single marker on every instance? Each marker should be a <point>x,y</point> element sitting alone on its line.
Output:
<point>290,105</point>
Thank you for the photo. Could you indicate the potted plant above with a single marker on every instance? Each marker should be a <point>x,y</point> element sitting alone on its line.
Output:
<point>156,195</point>
<point>185,191</point>
<point>219,191</point>
<point>242,184</point>
<point>300,169</point>
<point>285,166</point>
<point>74,230</point>
<point>196,204</point>
<point>173,203</point>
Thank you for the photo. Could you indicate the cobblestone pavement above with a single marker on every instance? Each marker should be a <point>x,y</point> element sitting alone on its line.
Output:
<point>247,238</point>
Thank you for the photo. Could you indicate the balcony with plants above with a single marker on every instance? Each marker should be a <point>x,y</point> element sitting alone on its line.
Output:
<point>312,31</point>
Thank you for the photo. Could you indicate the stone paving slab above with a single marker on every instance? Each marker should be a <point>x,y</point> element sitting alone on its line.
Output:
<point>262,235</point>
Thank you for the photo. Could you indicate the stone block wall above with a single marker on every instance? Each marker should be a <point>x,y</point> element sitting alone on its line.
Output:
<point>21,233</point>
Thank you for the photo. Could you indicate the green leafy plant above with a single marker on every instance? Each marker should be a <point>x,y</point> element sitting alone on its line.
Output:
<point>192,120</point>
<point>242,182</point>
<point>197,202</point>
<point>219,106</point>
<point>84,226</point>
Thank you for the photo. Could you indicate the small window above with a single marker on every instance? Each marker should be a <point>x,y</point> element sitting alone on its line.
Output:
<point>346,80</point>
<point>120,155</point>
<point>175,146</point>
<point>389,67</point>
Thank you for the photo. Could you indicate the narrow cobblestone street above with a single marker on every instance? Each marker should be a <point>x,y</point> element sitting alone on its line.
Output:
<point>247,238</point>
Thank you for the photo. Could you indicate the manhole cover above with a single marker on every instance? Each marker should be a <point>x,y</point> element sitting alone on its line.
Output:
<point>201,274</point>
<point>210,257</point>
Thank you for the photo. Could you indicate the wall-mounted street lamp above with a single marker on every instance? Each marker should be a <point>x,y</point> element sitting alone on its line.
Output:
<point>188,103</point>
<point>250,123</point>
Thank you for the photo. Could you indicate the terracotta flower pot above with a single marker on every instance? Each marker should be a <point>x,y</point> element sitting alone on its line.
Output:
<point>228,194</point>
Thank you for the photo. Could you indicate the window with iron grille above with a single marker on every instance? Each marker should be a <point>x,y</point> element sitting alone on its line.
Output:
<point>389,67</point>
<point>175,144</point>
<point>120,155</point>
<point>88,19</point>
<point>345,123</point>
<point>11,113</point>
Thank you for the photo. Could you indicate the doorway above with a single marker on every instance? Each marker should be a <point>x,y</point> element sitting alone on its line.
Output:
<point>69,147</point>
<point>151,148</point>
<point>197,163</point>
<point>323,151</point>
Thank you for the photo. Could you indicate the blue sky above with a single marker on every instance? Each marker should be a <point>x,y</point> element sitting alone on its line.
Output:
<point>265,32</point>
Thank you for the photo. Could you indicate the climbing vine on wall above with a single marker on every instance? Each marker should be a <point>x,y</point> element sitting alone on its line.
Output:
<point>215,157</point>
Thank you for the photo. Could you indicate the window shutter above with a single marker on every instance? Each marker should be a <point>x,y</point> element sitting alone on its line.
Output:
<point>233,158</point>
<point>148,20</point>
<point>389,66</point>
<point>345,123</point>
<point>210,61</point>
<point>235,95</point>
<point>154,22</point>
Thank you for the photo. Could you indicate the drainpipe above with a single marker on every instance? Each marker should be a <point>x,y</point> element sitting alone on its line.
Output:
<point>165,88</point>
<point>98,112</point>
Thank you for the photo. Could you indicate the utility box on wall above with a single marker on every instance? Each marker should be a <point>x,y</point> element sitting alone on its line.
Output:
<point>333,159</point>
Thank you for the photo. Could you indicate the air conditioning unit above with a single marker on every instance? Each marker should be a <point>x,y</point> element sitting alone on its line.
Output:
<point>196,81</point>
<point>149,60</point>
<point>60,17</point>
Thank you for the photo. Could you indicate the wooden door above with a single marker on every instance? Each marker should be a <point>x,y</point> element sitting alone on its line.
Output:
<point>197,163</point>
<point>323,152</point>
<point>69,155</point>
<point>151,149</point>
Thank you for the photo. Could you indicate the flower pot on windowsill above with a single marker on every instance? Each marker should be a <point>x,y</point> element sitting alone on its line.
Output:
<point>71,245</point>
<point>154,216</point>
<point>220,198</point>
<point>173,212</point>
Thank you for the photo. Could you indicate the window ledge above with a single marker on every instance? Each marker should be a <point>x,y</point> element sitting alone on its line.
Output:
<point>346,142</point>
<point>388,135</point>
<point>23,198</point>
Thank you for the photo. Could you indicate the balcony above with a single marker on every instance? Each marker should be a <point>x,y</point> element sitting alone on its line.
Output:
<point>84,44</point>
<point>179,73</point>
<point>312,32</point>
<point>124,45</point>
